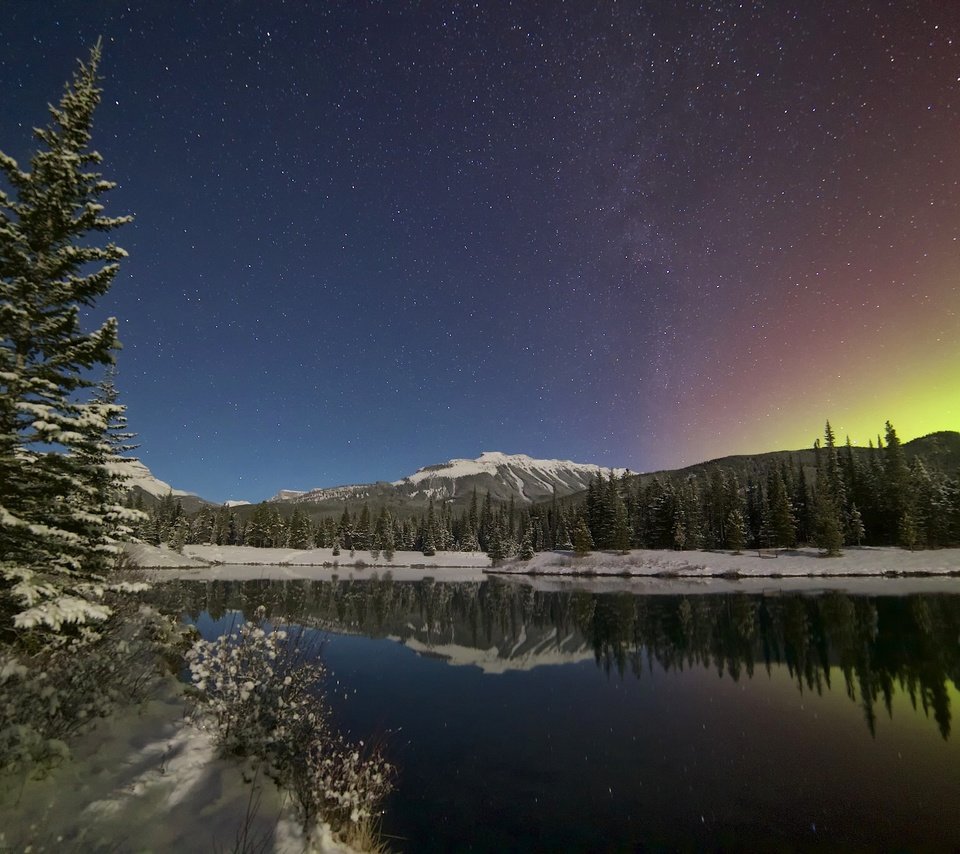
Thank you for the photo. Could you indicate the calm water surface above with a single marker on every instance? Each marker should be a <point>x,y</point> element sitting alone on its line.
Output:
<point>540,721</point>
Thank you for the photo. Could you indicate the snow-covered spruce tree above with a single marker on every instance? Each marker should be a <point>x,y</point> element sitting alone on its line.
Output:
<point>54,529</point>
<point>108,458</point>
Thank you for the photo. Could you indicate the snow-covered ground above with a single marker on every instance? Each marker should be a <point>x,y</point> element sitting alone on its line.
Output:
<point>150,557</point>
<point>145,780</point>
<point>153,557</point>
<point>866,561</point>
<point>785,563</point>
<point>252,572</point>
<point>326,557</point>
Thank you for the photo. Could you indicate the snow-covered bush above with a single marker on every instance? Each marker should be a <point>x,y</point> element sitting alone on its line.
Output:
<point>341,783</point>
<point>260,689</point>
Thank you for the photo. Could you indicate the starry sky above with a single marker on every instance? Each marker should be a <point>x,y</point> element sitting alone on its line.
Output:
<point>372,236</point>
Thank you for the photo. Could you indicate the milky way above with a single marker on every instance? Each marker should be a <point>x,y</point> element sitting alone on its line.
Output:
<point>372,236</point>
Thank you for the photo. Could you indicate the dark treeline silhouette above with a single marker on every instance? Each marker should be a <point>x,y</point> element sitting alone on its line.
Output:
<point>873,646</point>
<point>844,496</point>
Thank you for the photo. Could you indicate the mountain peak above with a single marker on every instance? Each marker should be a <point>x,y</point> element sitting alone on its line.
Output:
<point>500,475</point>
<point>528,478</point>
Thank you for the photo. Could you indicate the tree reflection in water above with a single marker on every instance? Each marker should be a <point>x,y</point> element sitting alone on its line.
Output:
<point>879,645</point>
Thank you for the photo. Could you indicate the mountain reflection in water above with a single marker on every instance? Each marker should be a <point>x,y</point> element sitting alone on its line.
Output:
<point>874,646</point>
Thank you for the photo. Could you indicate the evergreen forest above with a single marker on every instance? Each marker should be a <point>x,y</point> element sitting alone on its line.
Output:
<point>849,496</point>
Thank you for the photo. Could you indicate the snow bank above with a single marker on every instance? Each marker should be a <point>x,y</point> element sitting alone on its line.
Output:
<point>864,561</point>
<point>144,780</point>
<point>232,562</point>
<point>348,572</point>
<point>325,557</point>
<point>151,557</point>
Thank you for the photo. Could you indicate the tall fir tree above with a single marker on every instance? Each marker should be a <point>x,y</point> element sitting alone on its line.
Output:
<point>833,482</point>
<point>782,524</point>
<point>54,527</point>
<point>896,476</point>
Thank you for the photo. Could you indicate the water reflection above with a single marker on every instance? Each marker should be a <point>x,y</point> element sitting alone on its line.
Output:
<point>876,646</point>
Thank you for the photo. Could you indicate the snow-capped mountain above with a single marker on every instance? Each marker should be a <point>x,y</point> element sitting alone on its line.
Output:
<point>288,495</point>
<point>140,477</point>
<point>523,477</point>
<point>141,480</point>
<point>503,476</point>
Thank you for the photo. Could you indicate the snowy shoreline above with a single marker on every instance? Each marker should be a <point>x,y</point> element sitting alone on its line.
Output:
<point>638,565</point>
<point>144,778</point>
<point>781,563</point>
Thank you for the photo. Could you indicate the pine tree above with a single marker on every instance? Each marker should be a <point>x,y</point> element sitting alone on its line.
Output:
<point>736,531</point>
<point>222,526</point>
<point>833,483</point>
<point>896,477</point>
<point>692,513</point>
<point>345,529</point>
<point>258,528</point>
<point>103,456</point>
<point>782,525</point>
<point>486,520</point>
<point>429,545</point>
<point>827,530</point>
<point>679,530</point>
<point>715,511</point>
<point>621,529</point>
<point>298,530</point>
<point>496,549</point>
<point>473,516</point>
<point>831,466</point>
<point>526,546</point>
<point>362,530</point>
<point>857,531</point>
<point>582,541</point>
<point>907,532</point>
<point>801,507</point>
<point>609,505</point>
<point>54,529</point>
<point>388,542</point>
<point>928,504</point>
<point>178,536</point>
<point>200,529</point>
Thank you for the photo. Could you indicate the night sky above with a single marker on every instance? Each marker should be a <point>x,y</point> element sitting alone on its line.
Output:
<point>372,236</point>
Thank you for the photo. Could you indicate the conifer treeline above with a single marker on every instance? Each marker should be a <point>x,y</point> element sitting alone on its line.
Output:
<point>868,497</point>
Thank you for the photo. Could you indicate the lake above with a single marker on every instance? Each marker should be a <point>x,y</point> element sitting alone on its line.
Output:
<point>534,720</point>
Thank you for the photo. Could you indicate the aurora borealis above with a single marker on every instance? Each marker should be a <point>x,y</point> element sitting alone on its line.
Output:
<point>375,236</point>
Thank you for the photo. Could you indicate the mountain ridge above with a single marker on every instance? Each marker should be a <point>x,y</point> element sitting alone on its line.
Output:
<point>525,479</point>
<point>503,476</point>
